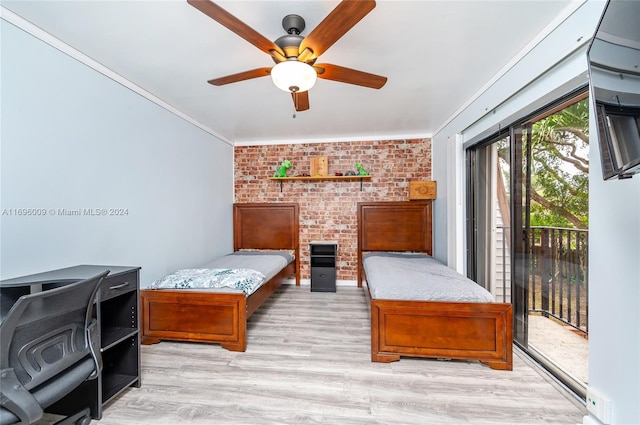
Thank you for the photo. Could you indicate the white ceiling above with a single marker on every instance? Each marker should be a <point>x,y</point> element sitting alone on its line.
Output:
<point>436,55</point>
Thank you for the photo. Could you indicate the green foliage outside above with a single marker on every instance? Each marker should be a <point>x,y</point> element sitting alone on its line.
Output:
<point>560,168</point>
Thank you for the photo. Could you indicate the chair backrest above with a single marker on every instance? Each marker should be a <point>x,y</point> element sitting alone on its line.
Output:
<point>46,332</point>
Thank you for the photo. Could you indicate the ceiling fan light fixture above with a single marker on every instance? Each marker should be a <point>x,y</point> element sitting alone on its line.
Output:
<point>293,76</point>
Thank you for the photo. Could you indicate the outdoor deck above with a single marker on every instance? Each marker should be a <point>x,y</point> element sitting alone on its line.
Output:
<point>562,343</point>
<point>557,286</point>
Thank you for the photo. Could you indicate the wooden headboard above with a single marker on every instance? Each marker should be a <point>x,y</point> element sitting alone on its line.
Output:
<point>394,226</point>
<point>267,226</point>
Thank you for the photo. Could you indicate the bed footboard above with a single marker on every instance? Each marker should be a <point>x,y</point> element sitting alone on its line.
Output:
<point>194,316</point>
<point>467,331</point>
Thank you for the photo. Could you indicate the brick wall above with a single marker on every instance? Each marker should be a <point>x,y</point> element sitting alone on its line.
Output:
<point>328,209</point>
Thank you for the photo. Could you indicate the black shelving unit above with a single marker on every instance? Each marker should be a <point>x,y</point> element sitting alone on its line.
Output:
<point>120,333</point>
<point>119,321</point>
<point>323,266</point>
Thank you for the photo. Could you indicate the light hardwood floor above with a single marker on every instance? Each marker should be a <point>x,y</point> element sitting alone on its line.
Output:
<point>308,362</point>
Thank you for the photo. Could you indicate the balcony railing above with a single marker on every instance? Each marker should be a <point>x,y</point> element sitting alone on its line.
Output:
<point>558,278</point>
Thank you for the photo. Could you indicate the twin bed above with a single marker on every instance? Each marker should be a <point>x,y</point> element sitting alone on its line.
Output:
<point>419,307</point>
<point>195,311</point>
<point>414,311</point>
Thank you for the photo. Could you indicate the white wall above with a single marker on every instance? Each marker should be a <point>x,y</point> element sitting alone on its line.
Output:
<point>554,66</point>
<point>614,289</point>
<point>74,139</point>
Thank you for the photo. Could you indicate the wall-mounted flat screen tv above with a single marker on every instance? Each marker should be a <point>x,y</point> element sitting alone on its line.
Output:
<point>614,79</point>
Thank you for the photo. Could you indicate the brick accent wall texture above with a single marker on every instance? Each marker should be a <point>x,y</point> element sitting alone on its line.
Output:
<point>328,209</point>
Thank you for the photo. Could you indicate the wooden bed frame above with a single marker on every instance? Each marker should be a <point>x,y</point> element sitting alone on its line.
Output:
<point>216,317</point>
<point>436,329</point>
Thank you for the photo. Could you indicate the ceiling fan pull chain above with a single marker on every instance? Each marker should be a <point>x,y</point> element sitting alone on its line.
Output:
<point>295,103</point>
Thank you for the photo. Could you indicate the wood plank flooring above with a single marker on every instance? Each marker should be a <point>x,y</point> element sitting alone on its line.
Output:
<point>308,362</point>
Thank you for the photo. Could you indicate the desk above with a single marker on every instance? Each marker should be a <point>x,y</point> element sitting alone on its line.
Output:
<point>118,319</point>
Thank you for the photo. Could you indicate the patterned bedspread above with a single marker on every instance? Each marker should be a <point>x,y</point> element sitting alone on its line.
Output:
<point>238,271</point>
<point>246,280</point>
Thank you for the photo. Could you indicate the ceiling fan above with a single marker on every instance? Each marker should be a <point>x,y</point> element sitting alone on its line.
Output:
<point>295,56</point>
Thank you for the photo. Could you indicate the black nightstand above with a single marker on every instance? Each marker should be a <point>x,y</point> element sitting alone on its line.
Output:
<point>323,266</point>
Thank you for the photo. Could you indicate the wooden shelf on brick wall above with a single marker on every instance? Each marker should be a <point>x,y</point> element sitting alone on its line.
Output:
<point>323,178</point>
<point>361,178</point>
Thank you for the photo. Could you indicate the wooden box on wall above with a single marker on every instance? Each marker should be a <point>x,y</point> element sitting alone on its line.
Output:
<point>319,166</point>
<point>422,190</point>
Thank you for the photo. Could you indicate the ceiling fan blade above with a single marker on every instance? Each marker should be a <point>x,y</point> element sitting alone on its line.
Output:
<point>328,71</point>
<point>241,76</point>
<point>300,100</point>
<point>335,25</point>
<point>226,19</point>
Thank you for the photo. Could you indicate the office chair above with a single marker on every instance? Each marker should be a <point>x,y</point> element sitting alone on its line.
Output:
<point>50,344</point>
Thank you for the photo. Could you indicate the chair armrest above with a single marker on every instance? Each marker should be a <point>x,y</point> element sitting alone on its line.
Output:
<point>17,400</point>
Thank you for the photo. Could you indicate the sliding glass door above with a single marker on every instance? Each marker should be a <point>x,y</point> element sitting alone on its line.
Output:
<point>488,227</point>
<point>520,184</point>
<point>527,232</point>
